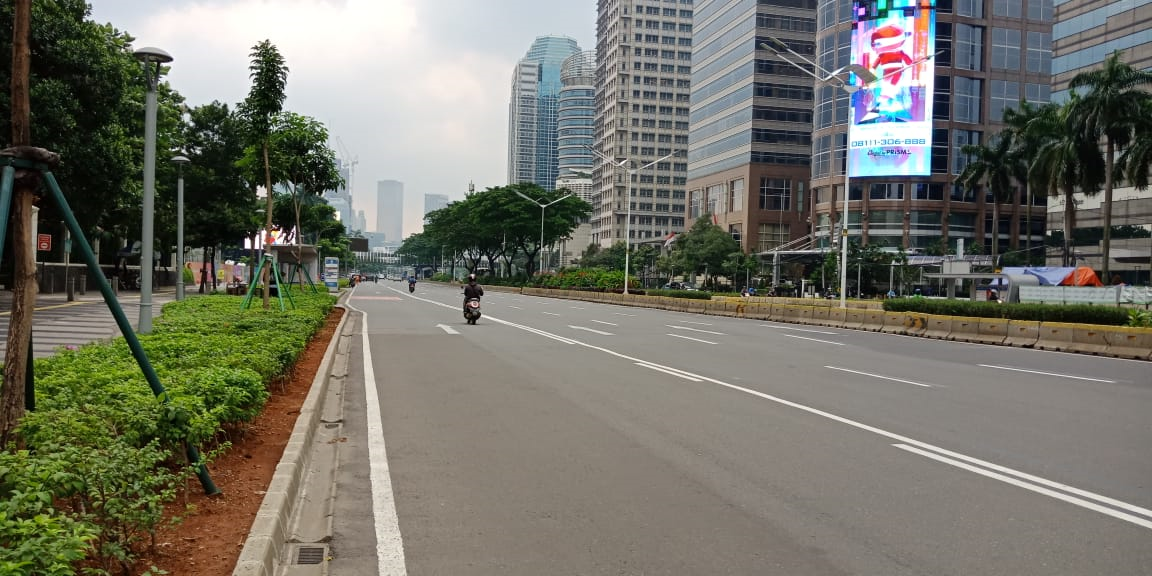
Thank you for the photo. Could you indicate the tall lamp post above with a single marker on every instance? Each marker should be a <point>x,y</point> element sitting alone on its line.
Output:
<point>840,78</point>
<point>153,59</point>
<point>180,161</point>
<point>542,207</point>
<point>632,172</point>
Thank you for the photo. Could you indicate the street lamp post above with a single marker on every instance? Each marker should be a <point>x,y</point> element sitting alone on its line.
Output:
<point>776,46</point>
<point>542,207</point>
<point>153,59</point>
<point>632,172</point>
<point>180,161</point>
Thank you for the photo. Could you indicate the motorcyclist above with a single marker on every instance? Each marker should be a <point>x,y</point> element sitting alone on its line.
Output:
<point>472,290</point>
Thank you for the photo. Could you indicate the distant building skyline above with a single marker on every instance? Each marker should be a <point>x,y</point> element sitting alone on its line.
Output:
<point>390,209</point>
<point>433,202</point>
<point>533,110</point>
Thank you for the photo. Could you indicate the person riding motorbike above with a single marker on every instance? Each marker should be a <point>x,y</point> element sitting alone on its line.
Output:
<point>472,290</point>
<point>411,283</point>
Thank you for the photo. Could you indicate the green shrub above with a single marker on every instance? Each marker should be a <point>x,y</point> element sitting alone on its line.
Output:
<point>1077,314</point>
<point>1139,318</point>
<point>584,278</point>
<point>189,278</point>
<point>689,294</point>
<point>441,277</point>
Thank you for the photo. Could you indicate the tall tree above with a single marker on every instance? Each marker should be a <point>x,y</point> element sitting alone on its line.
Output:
<point>1024,148</point>
<point>705,247</point>
<point>220,203</point>
<point>265,101</point>
<point>1110,110</point>
<point>991,165</point>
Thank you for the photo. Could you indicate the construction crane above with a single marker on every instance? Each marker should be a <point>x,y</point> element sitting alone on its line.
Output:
<point>350,159</point>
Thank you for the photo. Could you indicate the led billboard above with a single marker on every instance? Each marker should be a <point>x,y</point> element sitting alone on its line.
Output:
<point>890,130</point>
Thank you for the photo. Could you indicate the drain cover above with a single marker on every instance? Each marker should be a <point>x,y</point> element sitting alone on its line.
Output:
<point>310,555</point>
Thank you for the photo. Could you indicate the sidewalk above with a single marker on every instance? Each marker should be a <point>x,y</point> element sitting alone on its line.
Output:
<point>58,322</point>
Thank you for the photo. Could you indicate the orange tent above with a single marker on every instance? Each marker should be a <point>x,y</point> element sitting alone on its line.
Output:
<point>1081,276</point>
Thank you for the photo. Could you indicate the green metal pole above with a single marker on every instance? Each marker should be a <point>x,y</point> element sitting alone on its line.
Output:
<point>122,322</point>
<point>30,381</point>
<point>252,285</point>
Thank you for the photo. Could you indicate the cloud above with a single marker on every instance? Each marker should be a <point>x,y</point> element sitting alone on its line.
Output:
<point>417,90</point>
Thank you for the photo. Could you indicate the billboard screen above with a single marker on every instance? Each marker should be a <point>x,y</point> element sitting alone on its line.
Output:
<point>890,130</point>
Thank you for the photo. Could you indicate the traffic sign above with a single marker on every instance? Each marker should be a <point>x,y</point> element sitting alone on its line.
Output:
<point>44,242</point>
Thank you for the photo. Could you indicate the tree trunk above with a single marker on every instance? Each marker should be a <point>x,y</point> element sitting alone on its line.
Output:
<point>995,229</point>
<point>1028,226</point>
<point>267,225</point>
<point>1109,164</point>
<point>1069,223</point>
<point>12,394</point>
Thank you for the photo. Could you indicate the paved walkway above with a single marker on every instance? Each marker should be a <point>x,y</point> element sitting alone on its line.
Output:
<point>58,322</point>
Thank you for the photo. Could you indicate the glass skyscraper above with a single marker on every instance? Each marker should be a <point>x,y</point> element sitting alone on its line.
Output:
<point>533,111</point>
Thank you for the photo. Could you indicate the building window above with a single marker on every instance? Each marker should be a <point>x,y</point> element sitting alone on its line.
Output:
<point>1040,52</point>
<point>772,236</point>
<point>1006,8</point>
<point>886,191</point>
<point>970,8</point>
<point>736,195</point>
<point>969,92</point>
<point>969,47</point>
<point>1038,94</point>
<point>1005,49</point>
<point>715,199</point>
<point>821,156</point>
<point>1040,10</point>
<point>1003,95</point>
<point>942,99</point>
<point>961,138</point>
<point>929,221</point>
<point>694,204</point>
<point>929,191</point>
<point>775,194</point>
<point>944,44</point>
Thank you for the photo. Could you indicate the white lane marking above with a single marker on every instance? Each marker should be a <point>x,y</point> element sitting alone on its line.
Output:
<point>577,307</point>
<point>550,313</point>
<point>592,330</point>
<point>447,328</point>
<point>670,372</point>
<point>494,319</point>
<point>1029,486</point>
<point>690,338</point>
<point>623,314</point>
<point>697,323</point>
<point>389,542</point>
<point>813,339</point>
<point>516,307</point>
<point>846,421</point>
<point>694,329</point>
<point>799,329</point>
<point>879,376</point>
<point>603,322</point>
<point>1048,373</point>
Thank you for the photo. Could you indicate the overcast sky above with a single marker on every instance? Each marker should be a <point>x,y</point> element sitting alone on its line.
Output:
<point>417,89</point>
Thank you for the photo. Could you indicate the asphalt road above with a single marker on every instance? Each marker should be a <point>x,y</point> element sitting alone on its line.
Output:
<point>562,437</point>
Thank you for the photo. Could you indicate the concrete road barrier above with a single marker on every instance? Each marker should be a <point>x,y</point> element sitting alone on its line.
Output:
<point>854,318</point>
<point>873,320</point>
<point>1022,333</point>
<point>836,317</point>
<point>1055,336</point>
<point>1089,339</point>
<point>1129,342</point>
<point>965,329</point>
<point>992,330</point>
<point>939,327</point>
<point>893,323</point>
<point>915,323</point>
<point>820,315</point>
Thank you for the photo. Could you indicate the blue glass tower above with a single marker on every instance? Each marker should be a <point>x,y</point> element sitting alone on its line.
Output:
<point>533,111</point>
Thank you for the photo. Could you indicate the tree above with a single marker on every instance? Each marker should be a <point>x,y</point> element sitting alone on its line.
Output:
<point>739,266</point>
<point>611,258</point>
<point>1025,146</point>
<point>1109,111</point>
<point>265,101</point>
<point>705,247</point>
<point>991,165</point>
<point>1065,161</point>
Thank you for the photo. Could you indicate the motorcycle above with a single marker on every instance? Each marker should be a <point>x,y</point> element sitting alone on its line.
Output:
<point>411,287</point>
<point>472,310</point>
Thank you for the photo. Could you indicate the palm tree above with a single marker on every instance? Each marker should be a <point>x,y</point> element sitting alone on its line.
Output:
<point>1065,161</point>
<point>1024,148</point>
<point>991,165</point>
<point>1136,161</point>
<point>1109,111</point>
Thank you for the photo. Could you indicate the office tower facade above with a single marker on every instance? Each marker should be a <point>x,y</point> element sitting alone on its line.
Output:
<point>433,202</point>
<point>643,83</point>
<point>993,54</point>
<point>390,210</point>
<point>576,115</point>
<point>532,111</point>
<point>341,198</point>
<point>1088,31</point>
<point>749,148</point>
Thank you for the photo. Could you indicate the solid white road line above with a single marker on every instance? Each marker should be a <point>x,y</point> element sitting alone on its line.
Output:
<point>1084,494</point>
<point>697,323</point>
<point>879,376</point>
<point>623,314</point>
<point>603,322</point>
<point>1047,373</point>
<point>389,542</point>
<point>1033,487</point>
<point>577,307</point>
<point>690,338</point>
<point>447,328</point>
<point>694,329</point>
<point>516,307</point>
<point>799,329</point>
<point>592,330</point>
<point>550,313</point>
<point>666,371</point>
<point>813,339</point>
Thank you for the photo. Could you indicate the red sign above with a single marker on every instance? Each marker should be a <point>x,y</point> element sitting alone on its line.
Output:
<point>44,242</point>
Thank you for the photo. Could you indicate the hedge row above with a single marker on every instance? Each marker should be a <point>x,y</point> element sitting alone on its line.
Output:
<point>688,294</point>
<point>104,456</point>
<point>1077,314</point>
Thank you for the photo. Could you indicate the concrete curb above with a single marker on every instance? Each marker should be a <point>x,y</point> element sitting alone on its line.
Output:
<point>267,538</point>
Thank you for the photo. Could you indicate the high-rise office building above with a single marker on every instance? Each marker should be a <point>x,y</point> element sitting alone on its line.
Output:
<point>433,202</point>
<point>574,136</point>
<point>341,198</point>
<point>643,82</point>
<point>1088,31</point>
<point>361,221</point>
<point>390,210</point>
<point>993,54</point>
<point>532,111</point>
<point>749,148</point>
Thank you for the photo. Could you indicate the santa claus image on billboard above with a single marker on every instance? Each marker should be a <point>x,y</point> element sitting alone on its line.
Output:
<point>889,60</point>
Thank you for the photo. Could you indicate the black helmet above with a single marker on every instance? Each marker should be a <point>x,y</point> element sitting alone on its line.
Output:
<point>471,277</point>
